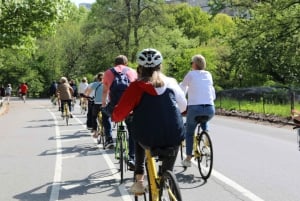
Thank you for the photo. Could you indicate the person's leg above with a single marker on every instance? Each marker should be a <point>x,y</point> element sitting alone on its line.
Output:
<point>168,162</point>
<point>62,102</point>
<point>89,115</point>
<point>210,112</point>
<point>131,143</point>
<point>107,130</point>
<point>190,131</point>
<point>138,186</point>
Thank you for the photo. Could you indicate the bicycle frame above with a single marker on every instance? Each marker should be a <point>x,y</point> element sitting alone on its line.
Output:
<point>121,149</point>
<point>153,178</point>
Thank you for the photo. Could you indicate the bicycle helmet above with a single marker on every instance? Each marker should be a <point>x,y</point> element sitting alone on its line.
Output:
<point>149,58</point>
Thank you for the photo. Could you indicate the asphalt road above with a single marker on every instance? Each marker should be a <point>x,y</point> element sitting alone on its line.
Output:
<point>42,159</point>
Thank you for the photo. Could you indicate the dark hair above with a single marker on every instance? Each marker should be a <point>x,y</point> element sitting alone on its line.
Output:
<point>100,76</point>
<point>121,60</point>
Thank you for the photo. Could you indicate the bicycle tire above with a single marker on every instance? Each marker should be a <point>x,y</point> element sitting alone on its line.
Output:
<point>121,160</point>
<point>169,188</point>
<point>205,161</point>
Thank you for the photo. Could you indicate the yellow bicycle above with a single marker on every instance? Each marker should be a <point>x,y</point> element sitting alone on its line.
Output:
<point>66,113</point>
<point>162,186</point>
<point>100,130</point>
<point>83,105</point>
<point>202,149</point>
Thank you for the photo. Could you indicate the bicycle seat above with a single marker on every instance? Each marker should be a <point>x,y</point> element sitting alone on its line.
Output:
<point>164,152</point>
<point>201,119</point>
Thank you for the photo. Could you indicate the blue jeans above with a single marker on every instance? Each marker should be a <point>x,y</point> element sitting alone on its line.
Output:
<point>106,121</point>
<point>192,112</point>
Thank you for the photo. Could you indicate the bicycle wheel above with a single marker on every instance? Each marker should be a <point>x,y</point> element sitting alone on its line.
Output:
<point>205,161</point>
<point>169,188</point>
<point>121,160</point>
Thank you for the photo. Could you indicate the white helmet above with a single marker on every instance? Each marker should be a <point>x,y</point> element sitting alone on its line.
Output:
<point>149,58</point>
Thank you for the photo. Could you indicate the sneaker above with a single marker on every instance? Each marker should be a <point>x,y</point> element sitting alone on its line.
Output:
<point>109,144</point>
<point>186,163</point>
<point>95,135</point>
<point>71,115</point>
<point>131,165</point>
<point>138,188</point>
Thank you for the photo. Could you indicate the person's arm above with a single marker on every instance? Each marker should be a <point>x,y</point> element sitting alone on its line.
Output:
<point>185,83</point>
<point>105,94</point>
<point>179,95</point>
<point>129,99</point>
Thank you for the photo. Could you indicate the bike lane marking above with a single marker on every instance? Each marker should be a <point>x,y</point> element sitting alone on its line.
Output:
<point>124,193</point>
<point>233,184</point>
<point>58,164</point>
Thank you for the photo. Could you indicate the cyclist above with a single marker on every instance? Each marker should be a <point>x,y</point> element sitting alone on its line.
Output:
<point>296,116</point>
<point>156,102</point>
<point>97,87</point>
<point>121,62</point>
<point>198,84</point>
<point>81,90</point>
<point>75,91</point>
<point>65,92</point>
<point>23,90</point>
<point>52,92</point>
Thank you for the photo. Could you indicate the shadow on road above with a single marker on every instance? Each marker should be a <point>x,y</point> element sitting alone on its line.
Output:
<point>81,150</point>
<point>76,135</point>
<point>98,182</point>
<point>188,180</point>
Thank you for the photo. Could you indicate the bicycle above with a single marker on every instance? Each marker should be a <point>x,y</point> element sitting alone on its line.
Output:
<point>66,113</point>
<point>121,149</point>
<point>83,105</point>
<point>162,186</point>
<point>297,126</point>
<point>202,149</point>
<point>100,130</point>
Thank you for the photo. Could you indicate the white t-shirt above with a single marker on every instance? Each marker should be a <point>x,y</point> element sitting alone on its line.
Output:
<point>198,84</point>
<point>82,87</point>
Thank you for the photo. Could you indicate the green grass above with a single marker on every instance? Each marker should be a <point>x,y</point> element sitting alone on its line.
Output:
<point>283,110</point>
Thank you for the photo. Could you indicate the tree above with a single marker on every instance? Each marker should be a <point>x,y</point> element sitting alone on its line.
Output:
<point>21,21</point>
<point>266,46</point>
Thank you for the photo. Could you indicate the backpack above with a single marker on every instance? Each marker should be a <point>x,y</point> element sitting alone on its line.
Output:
<point>117,87</point>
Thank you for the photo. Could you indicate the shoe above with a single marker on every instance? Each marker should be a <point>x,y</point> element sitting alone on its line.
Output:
<point>138,188</point>
<point>109,144</point>
<point>59,109</point>
<point>186,163</point>
<point>95,135</point>
<point>71,115</point>
<point>131,165</point>
<point>62,115</point>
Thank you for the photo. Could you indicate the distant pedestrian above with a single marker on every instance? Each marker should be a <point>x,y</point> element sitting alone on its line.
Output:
<point>8,91</point>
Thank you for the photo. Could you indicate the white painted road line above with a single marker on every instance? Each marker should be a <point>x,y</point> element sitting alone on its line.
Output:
<point>58,164</point>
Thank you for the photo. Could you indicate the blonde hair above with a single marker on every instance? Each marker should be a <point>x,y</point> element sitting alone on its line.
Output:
<point>200,62</point>
<point>152,75</point>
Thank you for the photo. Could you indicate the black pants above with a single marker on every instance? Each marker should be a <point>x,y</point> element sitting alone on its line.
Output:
<point>89,114</point>
<point>167,163</point>
<point>62,105</point>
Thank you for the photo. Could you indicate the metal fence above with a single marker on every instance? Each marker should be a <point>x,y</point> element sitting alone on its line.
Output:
<point>265,100</point>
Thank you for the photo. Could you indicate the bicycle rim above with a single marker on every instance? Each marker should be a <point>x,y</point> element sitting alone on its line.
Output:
<point>169,188</point>
<point>205,161</point>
